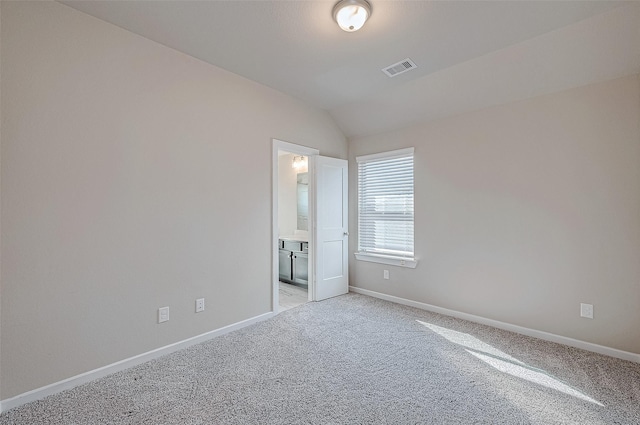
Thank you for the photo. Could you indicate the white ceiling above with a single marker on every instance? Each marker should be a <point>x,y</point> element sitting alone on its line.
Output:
<point>469,54</point>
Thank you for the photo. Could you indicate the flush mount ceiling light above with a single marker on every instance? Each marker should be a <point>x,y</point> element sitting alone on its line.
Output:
<point>351,14</point>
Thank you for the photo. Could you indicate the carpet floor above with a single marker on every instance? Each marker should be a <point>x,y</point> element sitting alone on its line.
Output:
<point>357,360</point>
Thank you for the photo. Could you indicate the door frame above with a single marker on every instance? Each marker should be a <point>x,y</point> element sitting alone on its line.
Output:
<point>280,145</point>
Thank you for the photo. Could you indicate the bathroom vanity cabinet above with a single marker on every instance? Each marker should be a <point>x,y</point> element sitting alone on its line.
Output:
<point>294,261</point>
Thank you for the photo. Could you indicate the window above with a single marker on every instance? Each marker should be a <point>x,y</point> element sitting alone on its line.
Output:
<point>385,208</point>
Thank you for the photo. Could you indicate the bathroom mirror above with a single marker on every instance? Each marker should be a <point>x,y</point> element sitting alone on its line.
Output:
<point>303,201</point>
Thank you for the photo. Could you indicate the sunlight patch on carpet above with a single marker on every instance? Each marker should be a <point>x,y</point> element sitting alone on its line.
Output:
<point>506,363</point>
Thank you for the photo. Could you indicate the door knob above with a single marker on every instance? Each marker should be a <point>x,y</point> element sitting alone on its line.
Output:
<point>346,233</point>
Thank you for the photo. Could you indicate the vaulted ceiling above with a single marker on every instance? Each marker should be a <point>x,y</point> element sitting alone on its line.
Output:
<point>470,54</point>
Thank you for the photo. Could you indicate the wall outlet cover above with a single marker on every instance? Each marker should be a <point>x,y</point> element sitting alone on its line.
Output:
<point>586,310</point>
<point>199,305</point>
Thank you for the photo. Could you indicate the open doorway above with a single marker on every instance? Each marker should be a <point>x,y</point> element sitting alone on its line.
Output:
<point>293,230</point>
<point>292,220</point>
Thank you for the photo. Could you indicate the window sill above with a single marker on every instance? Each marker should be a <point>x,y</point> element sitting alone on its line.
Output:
<point>387,259</point>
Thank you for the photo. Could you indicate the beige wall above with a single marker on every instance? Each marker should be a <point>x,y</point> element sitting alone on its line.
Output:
<point>524,211</point>
<point>133,177</point>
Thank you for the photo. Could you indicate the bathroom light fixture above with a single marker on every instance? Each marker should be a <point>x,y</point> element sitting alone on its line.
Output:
<point>299,162</point>
<point>351,14</point>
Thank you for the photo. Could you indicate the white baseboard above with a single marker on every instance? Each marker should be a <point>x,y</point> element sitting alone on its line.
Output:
<point>600,349</point>
<point>92,375</point>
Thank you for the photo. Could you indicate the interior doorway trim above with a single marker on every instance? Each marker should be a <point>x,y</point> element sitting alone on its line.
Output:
<point>279,145</point>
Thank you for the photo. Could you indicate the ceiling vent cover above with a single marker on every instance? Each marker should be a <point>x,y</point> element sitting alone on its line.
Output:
<point>399,68</point>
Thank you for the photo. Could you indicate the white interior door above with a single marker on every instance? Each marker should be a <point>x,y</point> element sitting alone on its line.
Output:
<point>331,273</point>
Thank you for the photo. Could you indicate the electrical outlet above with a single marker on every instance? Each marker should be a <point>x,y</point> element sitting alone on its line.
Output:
<point>199,305</point>
<point>385,274</point>
<point>586,310</point>
<point>163,314</point>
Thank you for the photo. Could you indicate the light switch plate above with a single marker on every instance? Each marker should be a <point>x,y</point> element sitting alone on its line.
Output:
<point>163,314</point>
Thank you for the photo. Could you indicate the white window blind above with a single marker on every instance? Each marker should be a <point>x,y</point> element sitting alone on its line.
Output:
<point>385,203</point>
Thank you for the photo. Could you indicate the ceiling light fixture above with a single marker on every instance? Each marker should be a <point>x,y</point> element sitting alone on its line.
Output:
<point>351,14</point>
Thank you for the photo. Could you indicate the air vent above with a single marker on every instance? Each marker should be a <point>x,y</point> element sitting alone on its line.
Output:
<point>399,68</point>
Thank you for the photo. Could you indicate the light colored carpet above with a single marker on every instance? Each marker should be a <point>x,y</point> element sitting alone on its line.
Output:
<point>357,360</point>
